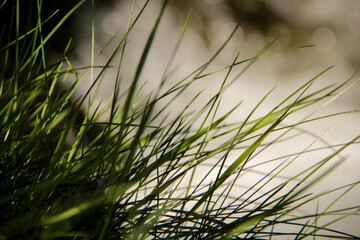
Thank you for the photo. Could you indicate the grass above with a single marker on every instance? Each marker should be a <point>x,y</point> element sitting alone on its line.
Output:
<point>66,173</point>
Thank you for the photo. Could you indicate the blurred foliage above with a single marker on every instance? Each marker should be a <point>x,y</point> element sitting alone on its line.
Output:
<point>257,13</point>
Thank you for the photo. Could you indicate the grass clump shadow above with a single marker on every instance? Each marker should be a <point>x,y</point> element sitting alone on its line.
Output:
<point>65,173</point>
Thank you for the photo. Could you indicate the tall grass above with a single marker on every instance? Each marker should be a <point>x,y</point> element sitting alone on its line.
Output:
<point>65,173</point>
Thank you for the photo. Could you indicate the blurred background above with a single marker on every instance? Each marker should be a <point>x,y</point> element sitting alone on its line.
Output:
<point>332,26</point>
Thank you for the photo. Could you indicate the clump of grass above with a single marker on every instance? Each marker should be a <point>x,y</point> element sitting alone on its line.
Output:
<point>140,175</point>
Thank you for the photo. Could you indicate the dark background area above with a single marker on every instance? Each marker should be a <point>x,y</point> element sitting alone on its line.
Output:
<point>256,13</point>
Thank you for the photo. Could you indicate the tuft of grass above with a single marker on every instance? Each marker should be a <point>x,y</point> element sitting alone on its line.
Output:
<point>67,174</point>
